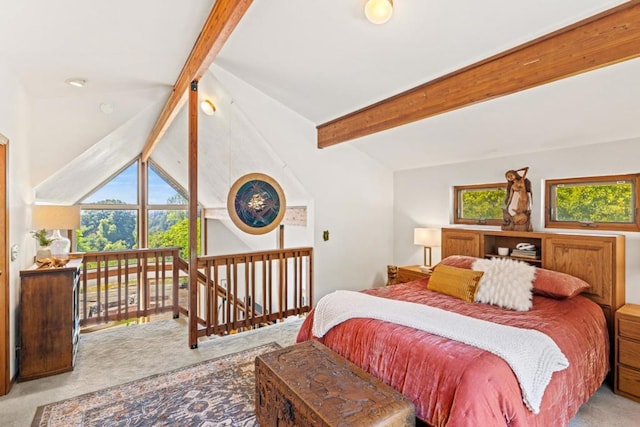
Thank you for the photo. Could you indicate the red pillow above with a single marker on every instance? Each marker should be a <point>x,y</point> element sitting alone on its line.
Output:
<point>548,283</point>
<point>555,284</point>
<point>460,261</point>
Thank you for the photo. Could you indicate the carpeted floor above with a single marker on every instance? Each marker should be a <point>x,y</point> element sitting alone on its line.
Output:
<point>217,392</point>
<point>117,356</point>
<point>120,355</point>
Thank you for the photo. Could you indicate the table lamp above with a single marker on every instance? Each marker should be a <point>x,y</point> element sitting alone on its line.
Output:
<point>427,238</point>
<point>56,218</point>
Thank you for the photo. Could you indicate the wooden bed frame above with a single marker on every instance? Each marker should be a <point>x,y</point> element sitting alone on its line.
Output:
<point>597,259</point>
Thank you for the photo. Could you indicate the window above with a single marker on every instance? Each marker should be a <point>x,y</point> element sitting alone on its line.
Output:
<point>122,189</point>
<point>110,215</point>
<point>168,215</point>
<point>602,202</point>
<point>479,204</point>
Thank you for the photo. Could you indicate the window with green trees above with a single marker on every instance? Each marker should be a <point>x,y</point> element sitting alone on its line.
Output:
<point>107,229</point>
<point>479,204</point>
<point>168,217</point>
<point>110,214</point>
<point>603,202</point>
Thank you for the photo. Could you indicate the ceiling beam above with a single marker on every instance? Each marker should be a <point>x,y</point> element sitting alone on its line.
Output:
<point>221,22</point>
<point>607,38</point>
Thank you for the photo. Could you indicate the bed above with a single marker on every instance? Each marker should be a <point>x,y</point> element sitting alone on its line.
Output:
<point>454,384</point>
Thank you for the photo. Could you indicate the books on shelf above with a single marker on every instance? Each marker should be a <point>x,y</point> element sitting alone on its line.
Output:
<point>525,253</point>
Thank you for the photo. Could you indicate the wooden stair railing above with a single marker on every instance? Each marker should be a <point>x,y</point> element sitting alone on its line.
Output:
<point>203,280</point>
<point>261,288</point>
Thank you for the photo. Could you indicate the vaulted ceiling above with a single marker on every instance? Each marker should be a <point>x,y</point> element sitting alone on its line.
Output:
<point>320,59</point>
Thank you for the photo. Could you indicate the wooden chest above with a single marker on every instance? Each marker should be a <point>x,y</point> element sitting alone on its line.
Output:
<point>309,385</point>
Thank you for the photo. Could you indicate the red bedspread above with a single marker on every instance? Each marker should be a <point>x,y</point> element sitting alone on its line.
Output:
<point>454,384</point>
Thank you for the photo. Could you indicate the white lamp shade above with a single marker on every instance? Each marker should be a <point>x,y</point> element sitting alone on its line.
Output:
<point>429,237</point>
<point>52,217</point>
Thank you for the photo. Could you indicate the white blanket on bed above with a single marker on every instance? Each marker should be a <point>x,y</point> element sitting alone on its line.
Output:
<point>531,354</point>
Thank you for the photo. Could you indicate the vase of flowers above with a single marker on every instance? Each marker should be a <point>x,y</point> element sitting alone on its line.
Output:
<point>44,244</point>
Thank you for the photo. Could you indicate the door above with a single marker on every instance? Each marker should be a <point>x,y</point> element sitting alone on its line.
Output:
<point>5,361</point>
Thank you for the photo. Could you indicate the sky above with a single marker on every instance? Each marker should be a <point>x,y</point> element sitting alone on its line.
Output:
<point>124,187</point>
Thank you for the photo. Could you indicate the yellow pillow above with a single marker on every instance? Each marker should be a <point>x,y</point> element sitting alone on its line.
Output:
<point>457,282</point>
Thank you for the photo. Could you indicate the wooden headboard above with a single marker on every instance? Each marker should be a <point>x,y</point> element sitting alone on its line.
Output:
<point>596,259</point>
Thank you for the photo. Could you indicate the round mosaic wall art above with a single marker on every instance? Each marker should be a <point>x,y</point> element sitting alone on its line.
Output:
<point>256,203</point>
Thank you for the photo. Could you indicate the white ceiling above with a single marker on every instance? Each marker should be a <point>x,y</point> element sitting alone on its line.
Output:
<point>322,59</point>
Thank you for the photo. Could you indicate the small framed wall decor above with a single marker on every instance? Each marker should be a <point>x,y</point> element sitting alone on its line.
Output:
<point>256,203</point>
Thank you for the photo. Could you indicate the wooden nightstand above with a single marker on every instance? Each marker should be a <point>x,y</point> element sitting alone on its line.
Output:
<point>407,273</point>
<point>627,365</point>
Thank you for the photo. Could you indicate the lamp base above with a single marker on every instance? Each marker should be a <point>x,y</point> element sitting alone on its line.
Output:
<point>60,246</point>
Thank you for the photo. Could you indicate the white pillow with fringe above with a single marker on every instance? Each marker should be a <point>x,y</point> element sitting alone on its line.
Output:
<point>506,283</point>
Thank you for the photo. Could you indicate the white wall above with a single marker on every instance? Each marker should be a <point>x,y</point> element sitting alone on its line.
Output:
<point>424,196</point>
<point>225,238</point>
<point>14,114</point>
<point>352,194</point>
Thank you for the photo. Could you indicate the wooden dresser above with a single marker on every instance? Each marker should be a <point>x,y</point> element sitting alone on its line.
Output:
<point>48,320</point>
<point>627,364</point>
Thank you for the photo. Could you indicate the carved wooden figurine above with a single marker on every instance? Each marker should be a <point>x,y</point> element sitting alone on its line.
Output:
<point>392,275</point>
<point>516,215</point>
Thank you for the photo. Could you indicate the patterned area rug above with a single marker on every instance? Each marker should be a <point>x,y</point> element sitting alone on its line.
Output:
<point>217,392</point>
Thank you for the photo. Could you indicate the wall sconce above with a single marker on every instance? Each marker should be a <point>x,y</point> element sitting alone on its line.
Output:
<point>207,107</point>
<point>428,238</point>
<point>378,11</point>
<point>57,218</point>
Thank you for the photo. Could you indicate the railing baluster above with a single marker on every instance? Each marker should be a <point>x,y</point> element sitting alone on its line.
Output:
<point>98,289</point>
<point>215,297</point>
<point>84,293</point>
<point>270,284</point>
<point>163,276</point>
<point>176,283</point>
<point>264,289</point>
<point>248,296</point>
<point>209,289</point>
<point>156,276</point>
<point>119,282</point>
<point>125,261</point>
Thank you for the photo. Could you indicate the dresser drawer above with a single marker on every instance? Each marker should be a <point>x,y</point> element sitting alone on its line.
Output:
<point>410,273</point>
<point>629,353</point>
<point>629,328</point>
<point>629,381</point>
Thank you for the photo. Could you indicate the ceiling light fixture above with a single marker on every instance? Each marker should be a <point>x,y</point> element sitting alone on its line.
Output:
<point>207,107</point>
<point>76,81</point>
<point>378,11</point>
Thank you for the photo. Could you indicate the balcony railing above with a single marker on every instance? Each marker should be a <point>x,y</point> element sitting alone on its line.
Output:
<point>234,292</point>
<point>122,285</point>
